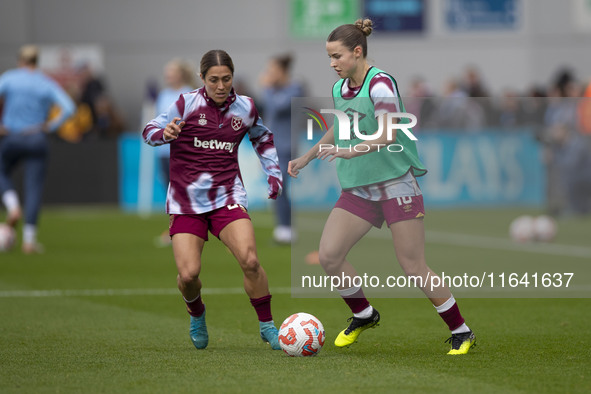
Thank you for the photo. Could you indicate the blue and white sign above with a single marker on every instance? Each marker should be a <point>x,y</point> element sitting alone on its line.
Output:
<point>484,169</point>
<point>396,15</point>
<point>483,14</point>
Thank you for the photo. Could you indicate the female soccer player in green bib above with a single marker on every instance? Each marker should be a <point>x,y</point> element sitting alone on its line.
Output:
<point>378,178</point>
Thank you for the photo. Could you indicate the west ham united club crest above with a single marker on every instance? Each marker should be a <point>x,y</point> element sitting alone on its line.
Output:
<point>236,123</point>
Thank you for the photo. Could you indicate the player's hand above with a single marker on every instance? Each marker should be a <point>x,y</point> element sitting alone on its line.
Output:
<point>3,131</point>
<point>294,166</point>
<point>275,187</point>
<point>333,153</point>
<point>173,129</point>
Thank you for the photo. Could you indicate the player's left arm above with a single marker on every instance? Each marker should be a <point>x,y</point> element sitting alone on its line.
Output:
<point>262,142</point>
<point>3,130</point>
<point>65,104</point>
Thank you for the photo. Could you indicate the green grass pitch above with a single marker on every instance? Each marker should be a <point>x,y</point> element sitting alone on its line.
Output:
<point>98,312</point>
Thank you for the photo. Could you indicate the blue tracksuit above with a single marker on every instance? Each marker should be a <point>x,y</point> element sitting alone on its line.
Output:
<point>27,96</point>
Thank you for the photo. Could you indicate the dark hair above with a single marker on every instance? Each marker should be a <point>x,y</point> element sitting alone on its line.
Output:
<point>215,57</point>
<point>352,35</point>
<point>284,61</point>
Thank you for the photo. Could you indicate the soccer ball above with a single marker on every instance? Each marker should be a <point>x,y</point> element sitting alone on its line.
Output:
<point>544,228</point>
<point>522,229</point>
<point>301,335</point>
<point>7,237</point>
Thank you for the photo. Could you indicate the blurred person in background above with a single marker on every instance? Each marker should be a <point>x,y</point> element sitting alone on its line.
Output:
<point>510,113</point>
<point>473,84</point>
<point>561,112</point>
<point>91,90</point>
<point>278,89</point>
<point>179,77</point>
<point>28,95</point>
<point>107,120</point>
<point>204,128</point>
<point>562,104</point>
<point>534,107</point>
<point>419,102</point>
<point>571,156</point>
<point>96,116</point>
<point>585,112</point>
<point>457,111</point>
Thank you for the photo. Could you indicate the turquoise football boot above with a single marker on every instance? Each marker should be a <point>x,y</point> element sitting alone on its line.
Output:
<point>198,331</point>
<point>269,334</point>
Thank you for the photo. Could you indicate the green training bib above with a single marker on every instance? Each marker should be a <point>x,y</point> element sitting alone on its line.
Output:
<point>377,166</point>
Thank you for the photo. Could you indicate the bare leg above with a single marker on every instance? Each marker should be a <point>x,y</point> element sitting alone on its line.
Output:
<point>341,232</point>
<point>187,250</point>
<point>238,236</point>
<point>409,243</point>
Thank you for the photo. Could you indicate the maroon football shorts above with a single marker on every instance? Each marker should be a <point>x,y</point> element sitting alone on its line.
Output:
<point>375,212</point>
<point>213,221</point>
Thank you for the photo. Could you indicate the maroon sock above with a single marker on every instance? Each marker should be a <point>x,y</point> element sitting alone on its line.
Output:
<point>356,301</point>
<point>452,317</point>
<point>195,307</point>
<point>262,306</point>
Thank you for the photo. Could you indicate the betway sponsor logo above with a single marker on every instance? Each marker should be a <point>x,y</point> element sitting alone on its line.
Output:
<point>214,144</point>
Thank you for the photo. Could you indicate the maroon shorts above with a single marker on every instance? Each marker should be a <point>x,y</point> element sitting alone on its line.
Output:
<point>213,221</point>
<point>375,212</point>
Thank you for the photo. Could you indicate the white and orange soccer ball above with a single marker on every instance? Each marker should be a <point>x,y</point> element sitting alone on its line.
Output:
<point>7,237</point>
<point>527,228</point>
<point>544,228</point>
<point>522,229</point>
<point>301,335</point>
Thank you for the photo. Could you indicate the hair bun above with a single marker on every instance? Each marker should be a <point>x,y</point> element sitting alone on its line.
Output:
<point>365,25</point>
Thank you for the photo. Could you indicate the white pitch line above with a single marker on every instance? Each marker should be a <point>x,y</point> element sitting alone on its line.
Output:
<point>305,293</point>
<point>125,292</point>
<point>479,241</point>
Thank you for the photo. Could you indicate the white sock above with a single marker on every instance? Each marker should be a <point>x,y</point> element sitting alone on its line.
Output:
<point>364,314</point>
<point>348,292</point>
<point>193,300</point>
<point>29,234</point>
<point>446,305</point>
<point>10,200</point>
<point>461,329</point>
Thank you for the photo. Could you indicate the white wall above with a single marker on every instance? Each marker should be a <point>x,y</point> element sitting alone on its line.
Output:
<point>139,36</point>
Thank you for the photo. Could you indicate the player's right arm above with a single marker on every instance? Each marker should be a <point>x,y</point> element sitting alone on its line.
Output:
<point>295,165</point>
<point>167,126</point>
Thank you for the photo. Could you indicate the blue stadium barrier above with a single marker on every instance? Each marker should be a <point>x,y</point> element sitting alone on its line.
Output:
<point>486,169</point>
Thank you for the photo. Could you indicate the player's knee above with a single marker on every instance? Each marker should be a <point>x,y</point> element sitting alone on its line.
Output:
<point>330,260</point>
<point>414,268</point>
<point>250,263</point>
<point>188,276</point>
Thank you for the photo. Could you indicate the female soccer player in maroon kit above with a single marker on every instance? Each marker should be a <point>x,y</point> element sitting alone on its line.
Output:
<point>204,128</point>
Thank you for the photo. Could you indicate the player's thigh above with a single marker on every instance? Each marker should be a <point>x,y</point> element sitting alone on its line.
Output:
<point>187,249</point>
<point>341,232</point>
<point>239,237</point>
